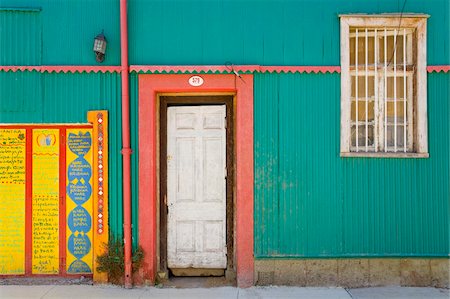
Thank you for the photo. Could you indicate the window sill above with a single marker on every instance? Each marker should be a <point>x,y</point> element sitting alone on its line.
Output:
<point>384,155</point>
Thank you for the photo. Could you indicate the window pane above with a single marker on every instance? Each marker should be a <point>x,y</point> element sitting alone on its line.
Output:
<point>362,136</point>
<point>391,112</point>
<point>390,46</point>
<point>362,86</point>
<point>391,137</point>
<point>362,111</point>
<point>362,46</point>
<point>390,86</point>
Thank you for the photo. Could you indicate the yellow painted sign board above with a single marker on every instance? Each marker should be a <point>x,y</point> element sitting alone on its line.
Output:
<point>79,202</point>
<point>54,197</point>
<point>45,215</point>
<point>12,201</point>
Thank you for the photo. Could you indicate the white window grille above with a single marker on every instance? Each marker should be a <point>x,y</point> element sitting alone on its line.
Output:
<point>383,85</point>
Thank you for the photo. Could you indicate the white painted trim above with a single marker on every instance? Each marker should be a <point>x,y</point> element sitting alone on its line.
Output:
<point>395,90</point>
<point>421,91</point>
<point>379,21</point>
<point>409,22</point>
<point>384,155</point>
<point>385,15</point>
<point>345,87</point>
<point>376,57</point>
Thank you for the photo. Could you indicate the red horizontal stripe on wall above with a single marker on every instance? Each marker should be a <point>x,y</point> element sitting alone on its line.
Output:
<point>192,69</point>
<point>232,68</point>
<point>301,69</point>
<point>62,68</point>
<point>438,68</point>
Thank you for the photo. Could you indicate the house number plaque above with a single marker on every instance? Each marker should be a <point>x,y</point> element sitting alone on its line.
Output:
<point>196,81</point>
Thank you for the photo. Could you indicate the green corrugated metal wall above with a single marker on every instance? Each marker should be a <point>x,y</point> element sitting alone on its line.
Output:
<point>20,37</point>
<point>266,32</point>
<point>309,202</point>
<point>67,30</point>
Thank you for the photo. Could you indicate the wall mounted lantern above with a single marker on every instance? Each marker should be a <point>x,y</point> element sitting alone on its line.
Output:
<point>100,47</point>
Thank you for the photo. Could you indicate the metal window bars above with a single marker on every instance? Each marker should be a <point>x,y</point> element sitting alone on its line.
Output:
<point>381,70</point>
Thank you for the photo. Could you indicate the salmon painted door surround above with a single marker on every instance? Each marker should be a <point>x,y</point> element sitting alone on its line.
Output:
<point>150,86</point>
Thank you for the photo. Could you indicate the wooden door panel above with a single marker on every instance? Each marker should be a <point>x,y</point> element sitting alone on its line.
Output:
<point>196,187</point>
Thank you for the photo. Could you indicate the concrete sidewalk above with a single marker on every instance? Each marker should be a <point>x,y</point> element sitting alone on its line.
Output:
<point>107,291</point>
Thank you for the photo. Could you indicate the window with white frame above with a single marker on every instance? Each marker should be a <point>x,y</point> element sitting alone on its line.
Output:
<point>383,85</point>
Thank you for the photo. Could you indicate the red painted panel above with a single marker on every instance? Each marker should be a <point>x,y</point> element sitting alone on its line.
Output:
<point>244,178</point>
<point>62,201</point>
<point>149,87</point>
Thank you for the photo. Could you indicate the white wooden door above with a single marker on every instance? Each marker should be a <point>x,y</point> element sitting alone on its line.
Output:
<point>196,187</point>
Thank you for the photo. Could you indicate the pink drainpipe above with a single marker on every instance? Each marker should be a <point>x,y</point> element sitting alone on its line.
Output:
<point>126,150</point>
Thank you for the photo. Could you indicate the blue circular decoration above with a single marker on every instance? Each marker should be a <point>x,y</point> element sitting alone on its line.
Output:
<point>79,245</point>
<point>79,144</point>
<point>79,220</point>
<point>79,169</point>
<point>78,266</point>
<point>79,193</point>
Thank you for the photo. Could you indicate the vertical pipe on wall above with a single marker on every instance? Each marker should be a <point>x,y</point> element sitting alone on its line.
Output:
<point>126,150</point>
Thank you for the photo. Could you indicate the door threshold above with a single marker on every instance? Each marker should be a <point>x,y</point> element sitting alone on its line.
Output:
<point>197,282</point>
<point>202,272</point>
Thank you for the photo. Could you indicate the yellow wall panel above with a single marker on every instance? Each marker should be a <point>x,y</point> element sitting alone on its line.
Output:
<point>12,201</point>
<point>45,215</point>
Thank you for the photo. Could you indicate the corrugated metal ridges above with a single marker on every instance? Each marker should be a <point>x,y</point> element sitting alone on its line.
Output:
<point>309,202</point>
<point>20,37</point>
<point>20,97</point>
<point>216,31</point>
<point>279,32</point>
<point>69,29</point>
<point>239,32</point>
<point>266,169</point>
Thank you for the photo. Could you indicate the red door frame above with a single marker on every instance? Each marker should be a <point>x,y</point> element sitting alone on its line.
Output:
<point>150,85</point>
